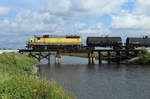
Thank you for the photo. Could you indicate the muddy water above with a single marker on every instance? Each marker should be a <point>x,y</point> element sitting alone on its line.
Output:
<point>99,81</point>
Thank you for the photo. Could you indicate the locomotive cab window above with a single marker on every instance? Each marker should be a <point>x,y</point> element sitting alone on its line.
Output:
<point>45,36</point>
<point>38,38</point>
<point>72,36</point>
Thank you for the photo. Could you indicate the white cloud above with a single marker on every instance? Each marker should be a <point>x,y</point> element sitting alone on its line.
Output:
<point>62,16</point>
<point>142,7</point>
<point>4,11</point>
<point>82,7</point>
<point>136,22</point>
<point>94,30</point>
<point>130,21</point>
<point>29,22</point>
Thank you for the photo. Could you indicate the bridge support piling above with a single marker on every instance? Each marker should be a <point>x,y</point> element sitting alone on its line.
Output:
<point>48,57</point>
<point>127,54</point>
<point>100,57</point>
<point>39,56</point>
<point>93,60</point>
<point>121,54</point>
<point>109,57</point>
<point>30,54</point>
<point>136,53</point>
<point>118,57</point>
<point>57,58</point>
<point>91,57</point>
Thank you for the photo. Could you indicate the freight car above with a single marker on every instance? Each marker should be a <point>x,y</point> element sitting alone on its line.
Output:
<point>133,42</point>
<point>54,42</point>
<point>115,42</point>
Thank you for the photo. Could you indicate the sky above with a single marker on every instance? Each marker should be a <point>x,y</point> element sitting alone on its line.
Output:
<point>22,19</point>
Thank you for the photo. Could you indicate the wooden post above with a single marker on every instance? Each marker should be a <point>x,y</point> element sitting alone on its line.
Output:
<point>118,57</point>
<point>136,53</point>
<point>57,57</point>
<point>127,54</point>
<point>100,57</point>
<point>90,58</point>
<point>56,60</point>
<point>30,54</point>
<point>109,57</point>
<point>48,57</point>
<point>93,59</point>
<point>39,58</point>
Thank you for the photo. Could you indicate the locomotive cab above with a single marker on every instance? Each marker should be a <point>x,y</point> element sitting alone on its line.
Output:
<point>54,42</point>
<point>30,40</point>
<point>29,43</point>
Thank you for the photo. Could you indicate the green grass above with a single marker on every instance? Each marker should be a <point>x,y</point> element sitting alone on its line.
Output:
<point>142,58</point>
<point>18,82</point>
<point>76,55</point>
<point>84,55</point>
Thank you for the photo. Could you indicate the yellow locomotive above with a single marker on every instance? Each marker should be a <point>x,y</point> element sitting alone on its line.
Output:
<point>54,42</point>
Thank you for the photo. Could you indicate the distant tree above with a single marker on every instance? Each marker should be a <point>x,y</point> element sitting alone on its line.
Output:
<point>9,48</point>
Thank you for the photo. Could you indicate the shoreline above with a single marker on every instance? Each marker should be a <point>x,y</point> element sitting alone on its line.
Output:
<point>143,57</point>
<point>19,72</point>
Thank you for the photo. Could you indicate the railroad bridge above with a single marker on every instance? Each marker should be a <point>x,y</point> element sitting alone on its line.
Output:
<point>110,55</point>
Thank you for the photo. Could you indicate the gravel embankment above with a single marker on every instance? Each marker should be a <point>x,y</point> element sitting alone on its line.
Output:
<point>8,51</point>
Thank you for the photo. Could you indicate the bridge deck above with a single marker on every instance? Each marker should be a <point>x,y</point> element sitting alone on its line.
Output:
<point>127,54</point>
<point>76,51</point>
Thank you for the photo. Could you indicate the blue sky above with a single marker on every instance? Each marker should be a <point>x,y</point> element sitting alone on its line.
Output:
<point>21,19</point>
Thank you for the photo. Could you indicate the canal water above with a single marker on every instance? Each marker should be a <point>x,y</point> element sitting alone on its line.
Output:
<point>106,81</point>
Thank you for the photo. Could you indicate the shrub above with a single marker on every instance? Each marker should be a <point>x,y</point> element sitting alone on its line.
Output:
<point>144,57</point>
<point>31,88</point>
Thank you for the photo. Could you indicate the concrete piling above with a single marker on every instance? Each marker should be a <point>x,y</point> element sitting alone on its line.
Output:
<point>100,57</point>
<point>118,57</point>
<point>109,57</point>
<point>91,57</point>
<point>57,58</point>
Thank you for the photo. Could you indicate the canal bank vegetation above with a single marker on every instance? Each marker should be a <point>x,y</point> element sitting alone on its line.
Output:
<point>84,55</point>
<point>142,58</point>
<point>17,80</point>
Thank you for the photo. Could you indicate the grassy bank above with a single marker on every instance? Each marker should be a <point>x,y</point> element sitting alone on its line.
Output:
<point>84,55</point>
<point>18,82</point>
<point>76,55</point>
<point>142,58</point>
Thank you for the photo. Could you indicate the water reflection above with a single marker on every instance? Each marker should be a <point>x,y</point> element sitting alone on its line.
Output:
<point>99,81</point>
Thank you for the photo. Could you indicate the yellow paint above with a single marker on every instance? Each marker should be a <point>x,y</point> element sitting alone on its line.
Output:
<point>31,40</point>
<point>56,40</point>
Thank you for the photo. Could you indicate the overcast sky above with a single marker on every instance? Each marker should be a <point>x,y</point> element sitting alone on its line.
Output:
<point>21,19</point>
